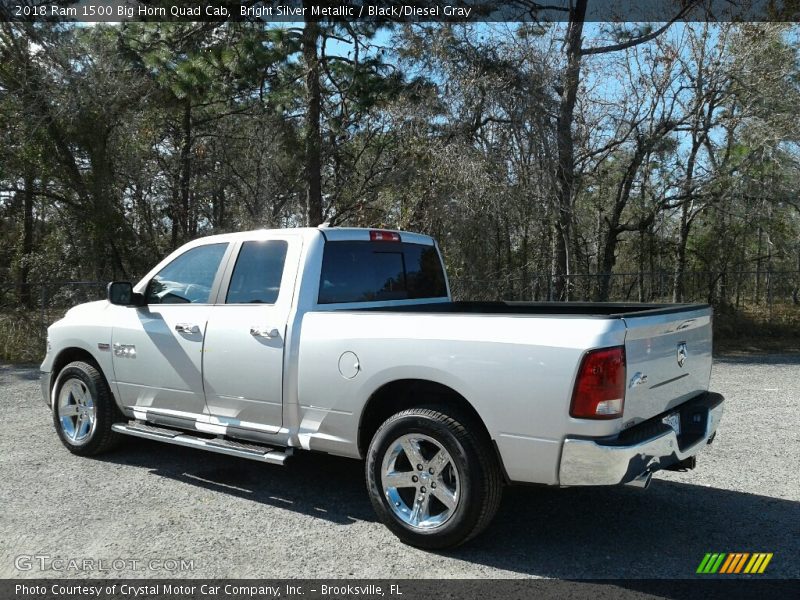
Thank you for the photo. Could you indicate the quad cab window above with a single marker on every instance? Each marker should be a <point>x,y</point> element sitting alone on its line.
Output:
<point>187,279</point>
<point>257,275</point>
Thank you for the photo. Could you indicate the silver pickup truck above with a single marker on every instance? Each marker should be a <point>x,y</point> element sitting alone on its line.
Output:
<point>347,341</point>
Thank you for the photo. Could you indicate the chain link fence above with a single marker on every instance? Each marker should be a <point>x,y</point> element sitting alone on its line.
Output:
<point>771,297</point>
<point>730,290</point>
<point>26,312</point>
<point>49,300</point>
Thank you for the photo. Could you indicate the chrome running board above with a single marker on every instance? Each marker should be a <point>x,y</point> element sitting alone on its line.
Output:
<point>267,454</point>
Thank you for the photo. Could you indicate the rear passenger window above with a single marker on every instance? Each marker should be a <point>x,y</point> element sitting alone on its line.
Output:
<point>257,275</point>
<point>374,271</point>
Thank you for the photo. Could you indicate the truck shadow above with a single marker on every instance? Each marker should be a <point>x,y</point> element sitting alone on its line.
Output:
<point>574,533</point>
<point>316,485</point>
<point>662,532</point>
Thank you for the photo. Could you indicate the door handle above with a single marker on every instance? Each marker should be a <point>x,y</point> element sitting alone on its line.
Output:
<point>187,328</point>
<point>265,332</point>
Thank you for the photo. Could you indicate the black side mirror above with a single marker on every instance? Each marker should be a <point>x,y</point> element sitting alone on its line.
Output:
<point>121,293</point>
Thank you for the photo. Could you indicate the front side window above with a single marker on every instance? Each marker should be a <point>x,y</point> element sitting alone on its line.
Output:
<point>375,271</point>
<point>188,278</point>
<point>256,278</point>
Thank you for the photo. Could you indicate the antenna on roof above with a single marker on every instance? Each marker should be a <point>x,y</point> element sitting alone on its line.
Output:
<point>325,225</point>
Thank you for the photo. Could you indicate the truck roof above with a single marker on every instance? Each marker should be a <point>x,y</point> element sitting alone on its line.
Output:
<point>338,234</point>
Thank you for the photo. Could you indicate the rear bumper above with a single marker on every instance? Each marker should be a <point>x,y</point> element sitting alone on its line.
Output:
<point>646,447</point>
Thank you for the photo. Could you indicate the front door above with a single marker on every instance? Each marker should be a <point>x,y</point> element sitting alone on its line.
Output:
<point>246,334</point>
<point>158,348</point>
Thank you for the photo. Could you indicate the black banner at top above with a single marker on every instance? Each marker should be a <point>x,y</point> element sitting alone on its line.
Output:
<point>466,11</point>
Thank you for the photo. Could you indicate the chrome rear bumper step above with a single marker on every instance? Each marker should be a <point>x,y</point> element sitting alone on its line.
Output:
<point>637,452</point>
<point>267,454</point>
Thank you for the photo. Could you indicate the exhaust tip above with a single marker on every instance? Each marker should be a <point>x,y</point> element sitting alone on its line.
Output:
<point>642,481</point>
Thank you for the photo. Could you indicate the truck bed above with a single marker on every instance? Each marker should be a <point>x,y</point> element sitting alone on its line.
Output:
<point>577,309</point>
<point>668,346</point>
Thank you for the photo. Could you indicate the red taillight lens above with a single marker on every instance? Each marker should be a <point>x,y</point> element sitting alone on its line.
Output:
<point>376,235</point>
<point>600,387</point>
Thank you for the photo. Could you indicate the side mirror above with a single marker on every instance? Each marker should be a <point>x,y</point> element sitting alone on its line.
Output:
<point>121,293</point>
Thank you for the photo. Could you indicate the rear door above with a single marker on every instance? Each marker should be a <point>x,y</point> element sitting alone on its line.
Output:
<point>246,333</point>
<point>668,360</point>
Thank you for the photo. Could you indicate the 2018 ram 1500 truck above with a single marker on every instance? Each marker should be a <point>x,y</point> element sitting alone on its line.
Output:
<point>346,341</point>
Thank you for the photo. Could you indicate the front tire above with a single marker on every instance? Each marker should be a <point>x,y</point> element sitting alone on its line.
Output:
<point>84,410</point>
<point>432,478</point>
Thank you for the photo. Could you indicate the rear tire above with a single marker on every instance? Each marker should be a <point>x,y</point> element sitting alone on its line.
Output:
<point>84,410</point>
<point>433,477</point>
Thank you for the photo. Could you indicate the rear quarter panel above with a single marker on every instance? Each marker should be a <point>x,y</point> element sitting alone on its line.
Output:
<point>516,371</point>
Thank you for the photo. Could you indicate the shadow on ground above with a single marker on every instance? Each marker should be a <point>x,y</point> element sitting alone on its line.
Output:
<point>623,532</point>
<point>321,486</point>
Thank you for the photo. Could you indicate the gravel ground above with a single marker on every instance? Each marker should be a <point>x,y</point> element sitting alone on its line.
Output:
<point>236,518</point>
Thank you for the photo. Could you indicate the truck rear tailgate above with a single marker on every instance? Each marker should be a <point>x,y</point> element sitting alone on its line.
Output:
<point>668,359</point>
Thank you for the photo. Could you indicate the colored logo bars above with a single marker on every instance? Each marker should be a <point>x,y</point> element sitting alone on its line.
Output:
<point>734,562</point>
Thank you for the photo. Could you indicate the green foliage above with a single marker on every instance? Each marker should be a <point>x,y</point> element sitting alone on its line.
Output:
<point>125,141</point>
<point>22,337</point>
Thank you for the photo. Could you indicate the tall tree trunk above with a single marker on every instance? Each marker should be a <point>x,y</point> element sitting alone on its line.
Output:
<point>525,287</point>
<point>174,214</point>
<point>23,285</point>
<point>186,170</point>
<point>607,262</point>
<point>551,262</point>
<point>565,169</point>
<point>219,208</point>
<point>623,194</point>
<point>640,275</point>
<point>498,262</point>
<point>686,216</point>
<point>757,298</point>
<point>313,140</point>
<point>680,259</point>
<point>511,288</point>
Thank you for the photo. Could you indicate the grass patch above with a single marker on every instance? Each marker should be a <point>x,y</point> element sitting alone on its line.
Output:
<point>22,337</point>
<point>756,329</point>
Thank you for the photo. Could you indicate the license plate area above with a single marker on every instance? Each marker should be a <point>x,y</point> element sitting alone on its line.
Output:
<point>673,421</point>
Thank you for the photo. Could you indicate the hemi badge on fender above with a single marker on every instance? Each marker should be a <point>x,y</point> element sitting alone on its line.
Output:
<point>103,347</point>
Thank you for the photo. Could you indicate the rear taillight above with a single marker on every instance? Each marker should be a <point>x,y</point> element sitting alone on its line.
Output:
<point>376,235</point>
<point>600,387</point>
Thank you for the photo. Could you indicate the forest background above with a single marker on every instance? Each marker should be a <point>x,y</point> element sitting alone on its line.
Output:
<point>562,161</point>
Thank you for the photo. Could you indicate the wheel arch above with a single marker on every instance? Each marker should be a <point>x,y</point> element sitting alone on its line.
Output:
<point>67,356</point>
<point>401,394</point>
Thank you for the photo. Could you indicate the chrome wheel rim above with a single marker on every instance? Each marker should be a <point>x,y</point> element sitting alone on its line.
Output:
<point>420,481</point>
<point>77,413</point>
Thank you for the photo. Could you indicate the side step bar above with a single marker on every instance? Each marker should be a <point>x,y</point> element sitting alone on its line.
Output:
<point>258,452</point>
